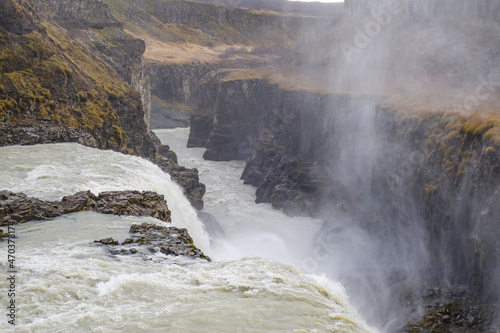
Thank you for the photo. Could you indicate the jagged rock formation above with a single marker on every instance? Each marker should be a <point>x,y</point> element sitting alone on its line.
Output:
<point>187,178</point>
<point>156,238</point>
<point>18,208</point>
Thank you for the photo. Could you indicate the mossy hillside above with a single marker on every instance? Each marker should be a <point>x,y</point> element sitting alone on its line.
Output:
<point>45,73</point>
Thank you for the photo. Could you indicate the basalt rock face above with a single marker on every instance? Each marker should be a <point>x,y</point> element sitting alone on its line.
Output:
<point>18,208</point>
<point>188,179</point>
<point>178,86</point>
<point>230,117</point>
<point>425,184</point>
<point>449,165</point>
<point>78,14</point>
<point>256,26</point>
<point>178,82</point>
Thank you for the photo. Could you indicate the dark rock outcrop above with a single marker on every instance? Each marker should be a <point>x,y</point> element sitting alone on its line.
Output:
<point>156,238</point>
<point>186,178</point>
<point>230,116</point>
<point>18,208</point>
<point>452,310</point>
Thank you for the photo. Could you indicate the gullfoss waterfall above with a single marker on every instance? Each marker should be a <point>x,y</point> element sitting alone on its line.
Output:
<point>254,284</point>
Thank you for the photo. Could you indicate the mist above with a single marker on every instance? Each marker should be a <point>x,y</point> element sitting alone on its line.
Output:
<point>379,239</point>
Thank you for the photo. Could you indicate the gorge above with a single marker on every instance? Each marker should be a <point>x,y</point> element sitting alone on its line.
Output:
<point>382,124</point>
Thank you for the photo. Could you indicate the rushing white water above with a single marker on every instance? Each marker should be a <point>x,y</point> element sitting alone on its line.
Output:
<point>250,229</point>
<point>67,284</point>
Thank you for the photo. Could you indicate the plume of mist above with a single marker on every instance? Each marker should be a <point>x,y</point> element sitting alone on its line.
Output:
<point>437,55</point>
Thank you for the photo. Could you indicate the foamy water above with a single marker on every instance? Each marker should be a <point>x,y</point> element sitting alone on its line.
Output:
<point>67,284</point>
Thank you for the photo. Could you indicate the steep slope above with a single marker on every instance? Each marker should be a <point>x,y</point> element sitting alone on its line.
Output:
<point>55,88</point>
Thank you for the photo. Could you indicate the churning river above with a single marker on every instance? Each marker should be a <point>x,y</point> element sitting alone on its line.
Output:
<point>254,284</point>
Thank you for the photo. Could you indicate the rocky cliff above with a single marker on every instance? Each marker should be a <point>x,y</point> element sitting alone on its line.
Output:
<point>54,88</point>
<point>419,181</point>
<point>69,73</point>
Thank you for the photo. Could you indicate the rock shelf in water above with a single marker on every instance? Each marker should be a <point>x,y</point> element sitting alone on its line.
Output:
<point>18,207</point>
<point>156,238</point>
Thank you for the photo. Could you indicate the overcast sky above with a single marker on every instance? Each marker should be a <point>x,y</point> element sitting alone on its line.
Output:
<point>319,0</point>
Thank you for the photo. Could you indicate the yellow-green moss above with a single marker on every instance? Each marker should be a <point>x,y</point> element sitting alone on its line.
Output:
<point>55,65</point>
<point>102,76</point>
<point>27,84</point>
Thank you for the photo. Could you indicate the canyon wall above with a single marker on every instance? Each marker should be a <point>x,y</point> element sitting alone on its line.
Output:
<point>258,26</point>
<point>422,185</point>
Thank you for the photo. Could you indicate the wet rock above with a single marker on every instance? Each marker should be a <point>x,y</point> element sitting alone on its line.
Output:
<point>452,309</point>
<point>133,203</point>
<point>157,238</point>
<point>164,150</point>
<point>17,207</point>
<point>108,241</point>
<point>201,126</point>
<point>37,133</point>
<point>188,179</point>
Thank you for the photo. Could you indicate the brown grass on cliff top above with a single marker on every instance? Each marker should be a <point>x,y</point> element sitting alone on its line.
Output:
<point>186,52</point>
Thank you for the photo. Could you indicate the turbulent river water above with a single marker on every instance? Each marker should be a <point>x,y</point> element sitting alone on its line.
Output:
<point>254,284</point>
